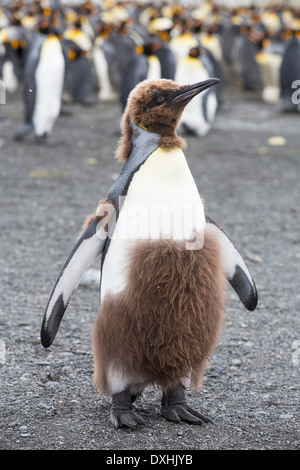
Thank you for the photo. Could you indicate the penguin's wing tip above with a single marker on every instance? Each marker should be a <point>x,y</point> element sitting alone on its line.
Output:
<point>46,339</point>
<point>51,320</point>
<point>245,288</point>
<point>236,270</point>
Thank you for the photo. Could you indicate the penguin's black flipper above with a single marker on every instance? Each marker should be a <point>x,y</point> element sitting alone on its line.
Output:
<point>237,272</point>
<point>87,249</point>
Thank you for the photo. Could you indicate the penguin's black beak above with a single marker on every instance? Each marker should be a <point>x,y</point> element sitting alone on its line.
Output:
<point>187,93</point>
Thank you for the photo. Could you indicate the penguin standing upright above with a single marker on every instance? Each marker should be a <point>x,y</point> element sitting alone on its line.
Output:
<point>243,61</point>
<point>43,86</point>
<point>49,78</point>
<point>199,114</point>
<point>13,43</point>
<point>153,63</point>
<point>7,72</point>
<point>163,265</point>
<point>103,58</point>
<point>269,60</point>
<point>80,80</point>
<point>160,30</point>
<point>161,60</point>
<point>129,67</point>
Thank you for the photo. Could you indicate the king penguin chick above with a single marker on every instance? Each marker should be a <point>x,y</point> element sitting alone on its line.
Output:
<point>163,265</point>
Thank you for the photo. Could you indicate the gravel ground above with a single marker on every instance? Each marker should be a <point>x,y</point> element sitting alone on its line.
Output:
<point>47,400</point>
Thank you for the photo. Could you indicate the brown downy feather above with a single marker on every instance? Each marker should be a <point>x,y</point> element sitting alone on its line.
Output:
<point>161,120</point>
<point>165,324</point>
<point>105,210</point>
<point>125,145</point>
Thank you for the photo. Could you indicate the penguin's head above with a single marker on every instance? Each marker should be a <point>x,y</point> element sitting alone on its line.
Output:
<point>157,106</point>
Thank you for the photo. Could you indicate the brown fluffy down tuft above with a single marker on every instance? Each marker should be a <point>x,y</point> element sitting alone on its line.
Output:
<point>165,325</point>
<point>124,145</point>
<point>160,119</point>
<point>105,212</point>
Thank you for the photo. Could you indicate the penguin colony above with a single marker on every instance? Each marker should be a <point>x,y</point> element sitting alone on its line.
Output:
<point>100,50</point>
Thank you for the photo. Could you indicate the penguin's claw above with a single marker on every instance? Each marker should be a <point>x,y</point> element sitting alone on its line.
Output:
<point>183,412</point>
<point>175,408</point>
<point>121,413</point>
<point>171,414</point>
<point>128,418</point>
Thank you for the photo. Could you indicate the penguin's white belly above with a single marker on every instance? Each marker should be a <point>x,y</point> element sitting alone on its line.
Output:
<point>154,68</point>
<point>9,77</point>
<point>49,78</point>
<point>106,92</point>
<point>162,202</point>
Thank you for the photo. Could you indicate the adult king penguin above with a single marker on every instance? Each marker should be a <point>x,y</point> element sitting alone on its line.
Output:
<point>163,265</point>
<point>43,84</point>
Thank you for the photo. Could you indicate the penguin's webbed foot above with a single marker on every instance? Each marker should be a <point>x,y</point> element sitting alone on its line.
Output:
<point>175,408</point>
<point>126,418</point>
<point>122,413</point>
<point>183,412</point>
<point>41,139</point>
<point>24,130</point>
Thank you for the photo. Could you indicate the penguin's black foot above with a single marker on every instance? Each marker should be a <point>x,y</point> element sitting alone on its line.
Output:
<point>126,418</point>
<point>122,413</point>
<point>175,408</point>
<point>41,139</point>
<point>24,130</point>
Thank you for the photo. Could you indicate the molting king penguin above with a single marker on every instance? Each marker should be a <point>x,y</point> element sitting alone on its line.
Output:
<point>164,262</point>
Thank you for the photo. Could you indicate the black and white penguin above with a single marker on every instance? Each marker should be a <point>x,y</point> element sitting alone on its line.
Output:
<point>7,72</point>
<point>163,265</point>
<point>269,59</point>
<point>80,78</point>
<point>129,67</point>
<point>105,60</point>
<point>43,86</point>
<point>199,114</point>
<point>243,59</point>
<point>182,44</point>
<point>158,45</point>
<point>14,41</point>
<point>166,59</point>
<point>161,60</point>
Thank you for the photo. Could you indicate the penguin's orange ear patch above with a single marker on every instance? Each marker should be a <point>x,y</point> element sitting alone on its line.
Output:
<point>71,54</point>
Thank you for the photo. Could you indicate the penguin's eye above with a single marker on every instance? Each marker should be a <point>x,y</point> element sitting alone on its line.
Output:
<point>158,99</point>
